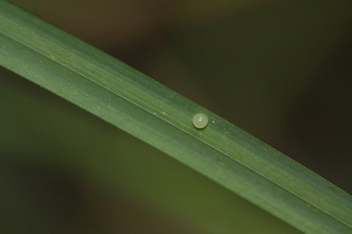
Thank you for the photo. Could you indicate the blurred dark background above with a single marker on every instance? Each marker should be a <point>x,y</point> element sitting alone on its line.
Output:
<point>281,71</point>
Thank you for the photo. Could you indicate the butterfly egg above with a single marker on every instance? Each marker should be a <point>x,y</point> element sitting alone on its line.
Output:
<point>200,120</point>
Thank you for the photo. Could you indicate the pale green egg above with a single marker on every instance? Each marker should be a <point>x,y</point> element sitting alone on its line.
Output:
<point>200,120</point>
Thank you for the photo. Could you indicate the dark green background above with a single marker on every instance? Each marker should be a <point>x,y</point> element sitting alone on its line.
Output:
<point>281,71</point>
